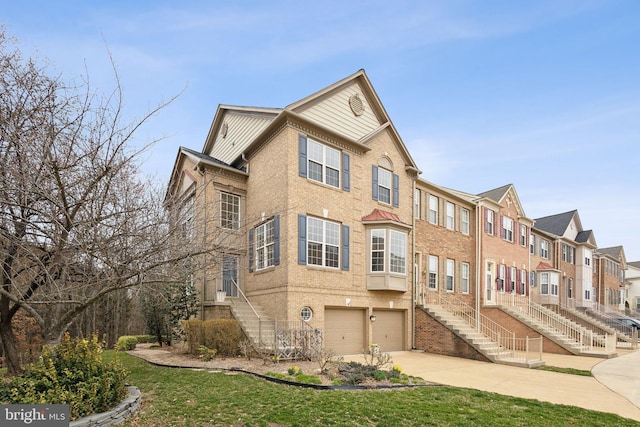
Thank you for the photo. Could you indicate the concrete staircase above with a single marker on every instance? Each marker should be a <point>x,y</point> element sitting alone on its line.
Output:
<point>600,322</point>
<point>257,326</point>
<point>582,340</point>
<point>476,339</point>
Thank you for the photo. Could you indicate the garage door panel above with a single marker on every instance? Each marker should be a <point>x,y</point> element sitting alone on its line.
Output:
<point>344,330</point>
<point>389,330</point>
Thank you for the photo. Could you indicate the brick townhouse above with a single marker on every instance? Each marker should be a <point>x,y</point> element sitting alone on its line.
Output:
<point>318,217</point>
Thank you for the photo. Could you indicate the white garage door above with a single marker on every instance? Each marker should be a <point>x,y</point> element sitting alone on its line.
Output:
<point>344,330</point>
<point>389,330</point>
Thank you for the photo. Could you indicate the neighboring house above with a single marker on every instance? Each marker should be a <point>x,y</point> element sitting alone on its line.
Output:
<point>565,276</point>
<point>632,278</point>
<point>608,277</point>
<point>504,247</point>
<point>318,195</point>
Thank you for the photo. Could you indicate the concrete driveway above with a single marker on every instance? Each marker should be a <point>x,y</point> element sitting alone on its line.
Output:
<point>615,387</point>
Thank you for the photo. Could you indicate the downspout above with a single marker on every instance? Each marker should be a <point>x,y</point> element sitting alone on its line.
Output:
<point>203,174</point>
<point>413,261</point>
<point>478,266</point>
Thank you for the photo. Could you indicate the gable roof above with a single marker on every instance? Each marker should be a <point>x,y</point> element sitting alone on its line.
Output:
<point>497,194</point>
<point>635,264</point>
<point>199,159</point>
<point>585,236</point>
<point>259,123</point>
<point>555,224</point>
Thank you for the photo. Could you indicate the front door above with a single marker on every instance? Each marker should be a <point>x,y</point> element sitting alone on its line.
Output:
<point>489,297</point>
<point>230,275</point>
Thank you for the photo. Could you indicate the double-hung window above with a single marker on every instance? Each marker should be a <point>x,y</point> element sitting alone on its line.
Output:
<point>433,272</point>
<point>377,250</point>
<point>323,163</point>
<point>323,243</point>
<point>544,283</point>
<point>523,282</point>
<point>489,223</point>
<point>523,235</point>
<point>501,277</point>
<point>229,211</point>
<point>450,275</point>
<point>433,210</point>
<point>265,245</point>
<point>544,248</point>
<point>450,215</point>
<point>507,229</point>
<point>464,277</point>
<point>384,186</point>
<point>398,252</point>
<point>464,221</point>
<point>391,256</point>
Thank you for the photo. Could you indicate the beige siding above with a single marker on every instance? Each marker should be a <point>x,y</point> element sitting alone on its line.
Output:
<point>242,129</point>
<point>335,113</point>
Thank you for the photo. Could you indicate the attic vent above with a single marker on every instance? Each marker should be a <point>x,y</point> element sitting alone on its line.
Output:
<point>224,130</point>
<point>356,105</point>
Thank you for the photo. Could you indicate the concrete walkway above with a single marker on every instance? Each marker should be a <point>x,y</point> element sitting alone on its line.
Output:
<point>615,387</point>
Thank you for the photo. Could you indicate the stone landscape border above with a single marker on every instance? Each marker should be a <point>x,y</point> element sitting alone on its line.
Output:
<point>117,415</point>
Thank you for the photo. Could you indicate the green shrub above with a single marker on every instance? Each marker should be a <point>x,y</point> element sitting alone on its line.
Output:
<point>205,353</point>
<point>127,342</point>
<point>72,373</point>
<point>224,335</point>
<point>193,333</point>
<point>380,375</point>
<point>146,339</point>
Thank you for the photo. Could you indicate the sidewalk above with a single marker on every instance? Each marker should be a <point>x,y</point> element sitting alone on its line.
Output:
<point>614,387</point>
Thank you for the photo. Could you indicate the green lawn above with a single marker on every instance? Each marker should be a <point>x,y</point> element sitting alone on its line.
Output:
<point>183,397</point>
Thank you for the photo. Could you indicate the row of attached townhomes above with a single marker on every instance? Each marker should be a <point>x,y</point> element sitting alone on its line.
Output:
<point>327,239</point>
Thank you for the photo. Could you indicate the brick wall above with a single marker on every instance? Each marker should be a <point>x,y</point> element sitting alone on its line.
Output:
<point>521,330</point>
<point>433,337</point>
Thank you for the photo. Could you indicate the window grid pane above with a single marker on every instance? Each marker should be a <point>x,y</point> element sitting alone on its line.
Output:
<point>229,211</point>
<point>265,245</point>
<point>377,250</point>
<point>398,250</point>
<point>323,243</point>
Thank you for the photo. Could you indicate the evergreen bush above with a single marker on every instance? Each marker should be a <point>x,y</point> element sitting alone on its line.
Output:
<point>72,373</point>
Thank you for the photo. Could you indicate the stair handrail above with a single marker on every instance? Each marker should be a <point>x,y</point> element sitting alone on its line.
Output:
<point>244,297</point>
<point>582,336</point>
<point>489,327</point>
<point>260,319</point>
<point>605,319</point>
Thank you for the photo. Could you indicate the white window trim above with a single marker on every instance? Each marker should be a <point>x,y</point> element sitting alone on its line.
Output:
<point>323,163</point>
<point>225,213</point>
<point>450,279</point>
<point>265,247</point>
<point>433,209</point>
<point>324,244</point>
<point>464,277</point>
<point>464,221</point>
<point>433,270</point>
<point>450,210</point>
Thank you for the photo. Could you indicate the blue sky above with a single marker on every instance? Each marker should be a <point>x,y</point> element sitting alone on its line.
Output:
<point>541,94</point>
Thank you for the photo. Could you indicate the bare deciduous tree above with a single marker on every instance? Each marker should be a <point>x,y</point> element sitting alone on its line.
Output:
<point>77,220</point>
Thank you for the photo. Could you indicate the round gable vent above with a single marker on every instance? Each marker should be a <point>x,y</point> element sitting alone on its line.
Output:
<point>356,104</point>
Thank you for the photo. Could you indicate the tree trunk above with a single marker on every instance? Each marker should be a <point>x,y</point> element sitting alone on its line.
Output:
<point>10,349</point>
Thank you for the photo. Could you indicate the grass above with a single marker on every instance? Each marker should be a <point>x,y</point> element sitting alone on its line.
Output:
<point>184,397</point>
<point>570,371</point>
